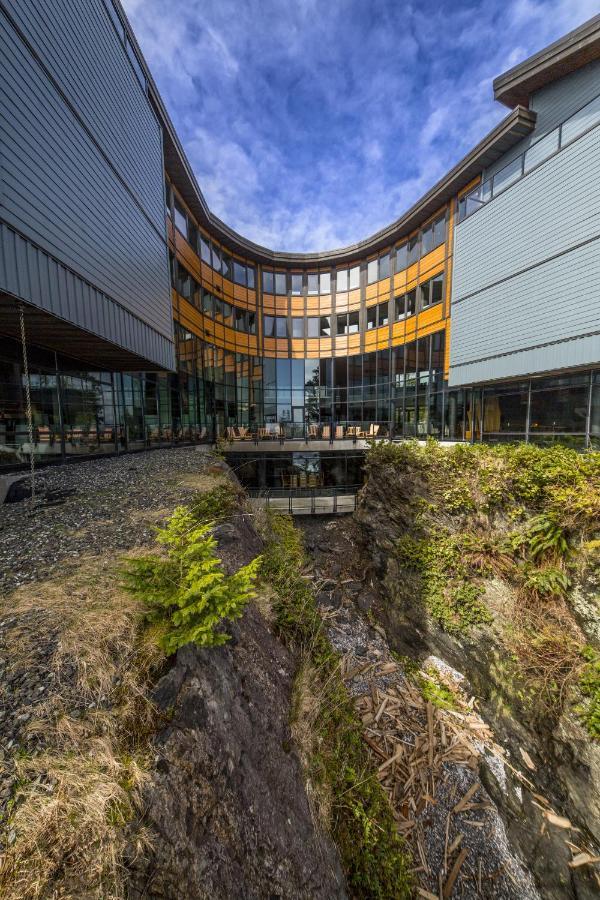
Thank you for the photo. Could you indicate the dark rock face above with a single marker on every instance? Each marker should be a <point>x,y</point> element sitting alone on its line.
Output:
<point>567,762</point>
<point>227,802</point>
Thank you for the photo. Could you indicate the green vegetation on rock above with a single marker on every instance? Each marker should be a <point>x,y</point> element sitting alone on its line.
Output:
<point>523,517</point>
<point>358,814</point>
<point>187,592</point>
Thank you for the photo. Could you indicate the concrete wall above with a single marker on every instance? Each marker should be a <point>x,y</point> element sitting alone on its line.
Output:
<point>82,167</point>
<point>526,280</point>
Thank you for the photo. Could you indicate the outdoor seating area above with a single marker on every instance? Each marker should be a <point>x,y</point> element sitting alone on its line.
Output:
<point>310,432</point>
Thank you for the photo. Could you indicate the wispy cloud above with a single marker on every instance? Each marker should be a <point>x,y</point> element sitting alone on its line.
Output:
<point>312,124</point>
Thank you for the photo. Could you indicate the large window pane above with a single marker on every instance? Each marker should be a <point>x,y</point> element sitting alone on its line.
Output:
<point>562,409</point>
<point>384,266</point>
<point>280,283</point>
<point>297,327</point>
<point>296,283</point>
<point>342,280</point>
<point>313,283</point>
<point>281,327</point>
<point>325,283</point>
<point>268,282</point>
<point>372,271</point>
<point>354,278</point>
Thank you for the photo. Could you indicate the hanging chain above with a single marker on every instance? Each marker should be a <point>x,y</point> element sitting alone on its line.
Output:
<point>28,402</point>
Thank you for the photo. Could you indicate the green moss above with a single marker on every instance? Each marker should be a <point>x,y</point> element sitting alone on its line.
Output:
<point>434,689</point>
<point>451,597</point>
<point>374,858</point>
<point>589,684</point>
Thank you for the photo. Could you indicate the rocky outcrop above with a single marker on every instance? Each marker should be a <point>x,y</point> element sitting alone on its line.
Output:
<point>226,805</point>
<point>567,762</point>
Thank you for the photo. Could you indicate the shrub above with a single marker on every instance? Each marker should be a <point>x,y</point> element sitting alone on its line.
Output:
<point>546,583</point>
<point>188,593</point>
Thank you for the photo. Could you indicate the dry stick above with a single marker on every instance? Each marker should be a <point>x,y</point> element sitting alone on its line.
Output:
<point>447,892</point>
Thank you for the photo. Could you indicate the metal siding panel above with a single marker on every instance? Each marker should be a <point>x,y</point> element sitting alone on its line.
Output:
<point>59,189</point>
<point>553,104</point>
<point>527,273</point>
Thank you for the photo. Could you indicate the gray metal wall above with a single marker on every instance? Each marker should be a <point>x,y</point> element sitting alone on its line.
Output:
<point>82,166</point>
<point>526,280</point>
<point>553,104</point>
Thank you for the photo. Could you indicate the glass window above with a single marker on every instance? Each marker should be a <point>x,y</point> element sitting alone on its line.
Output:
<point>325,326</point>
<point>227,313</point>
<point>353,322</point>
<point>252,323</point>
<point>354,278</point>
<point>269,326</point>
<point>207,303</point>
<point>281,330</point>
<point>296,283</point>
<point>371,317</point>
<point>424,294</point>
<point>205,250</point>
<point>411,302</point>
<point>342,280</point>
<point>240,319</point>
<point>218,308</point>
<point>384,266</point>
<point>250,272</point>
<point>439,231</point>
<point>412,250</point>
<point>168,197</point>
<point>427,240</point>
<point>371,271</point>
<point>239,272</point>
<point>227,267</point>
<point>312,327</point>
<point>507,175</point>
<point>582,120</point>
<point>313,283</point>
<point>399,307</point>
<point>180,218</point>
<point>280,283</point>
<point>325,283</point>
<point>437,289</point>
<point>216,258</point>
<point>342,321</point>
<point>268,282</point>
<point>401,257</point>
<point>382,313</point>
<point>297,327</point>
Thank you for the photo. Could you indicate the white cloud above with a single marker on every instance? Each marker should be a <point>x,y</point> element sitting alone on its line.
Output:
<point>312,124</point>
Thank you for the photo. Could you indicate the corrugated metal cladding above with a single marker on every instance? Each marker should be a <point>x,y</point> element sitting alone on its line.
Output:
<point>553,104</point>
<point>527,273</point>
<point>82,163</point>
<point>38,278</point>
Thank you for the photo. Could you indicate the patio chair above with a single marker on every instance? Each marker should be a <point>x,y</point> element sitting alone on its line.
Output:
<point>339,432</point>
<point>373,430</point>
<point>326,432</point>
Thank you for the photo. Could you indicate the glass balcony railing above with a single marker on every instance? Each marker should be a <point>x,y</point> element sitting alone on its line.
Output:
<point>565,133</point>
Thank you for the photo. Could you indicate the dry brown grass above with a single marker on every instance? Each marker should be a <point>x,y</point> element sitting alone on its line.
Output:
<point>78,795</point>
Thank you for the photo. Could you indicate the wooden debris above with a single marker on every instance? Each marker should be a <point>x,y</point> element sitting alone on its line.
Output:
<point>583,859</point>
<point>559,821</point>
<point>462,804</point>
<point>527,759</point>
<point>447,891</point>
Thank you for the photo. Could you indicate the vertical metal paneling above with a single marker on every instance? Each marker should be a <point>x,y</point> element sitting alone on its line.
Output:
<point>82,166</point>
<point>526,285</point>
<point>553,104</point>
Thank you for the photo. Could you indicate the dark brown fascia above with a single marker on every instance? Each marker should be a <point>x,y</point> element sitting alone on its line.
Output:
<point>516,125</point>
<point>569,53</point>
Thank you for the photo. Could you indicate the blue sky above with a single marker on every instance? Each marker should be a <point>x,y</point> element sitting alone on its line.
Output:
<point>310,124</point>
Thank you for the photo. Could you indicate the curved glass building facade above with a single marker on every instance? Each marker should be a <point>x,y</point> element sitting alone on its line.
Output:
<point>150,322</point>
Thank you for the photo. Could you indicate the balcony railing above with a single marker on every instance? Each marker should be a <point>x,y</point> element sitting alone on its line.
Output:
<point>568,131</point>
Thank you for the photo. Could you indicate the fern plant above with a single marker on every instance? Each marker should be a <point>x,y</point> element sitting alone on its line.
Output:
<point>546,583</point>
<point>188,592</point>
<point>545,537</point>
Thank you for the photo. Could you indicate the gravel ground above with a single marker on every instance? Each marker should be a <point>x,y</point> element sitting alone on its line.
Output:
<point>343,601</point>
<point>111,508</point>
